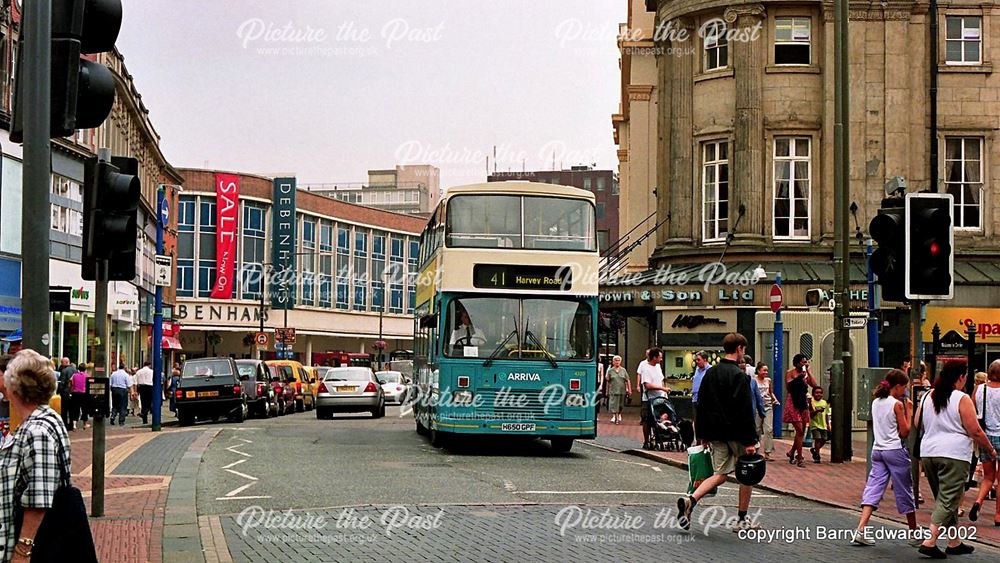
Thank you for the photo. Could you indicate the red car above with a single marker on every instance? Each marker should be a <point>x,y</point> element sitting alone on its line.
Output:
<point>284,393</point>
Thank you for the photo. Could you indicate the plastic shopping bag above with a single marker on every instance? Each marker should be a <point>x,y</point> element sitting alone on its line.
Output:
<point>699,466</point>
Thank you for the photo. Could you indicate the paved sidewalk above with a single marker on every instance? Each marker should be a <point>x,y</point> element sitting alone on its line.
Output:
<point>834,484</point>
<point>139,465</point>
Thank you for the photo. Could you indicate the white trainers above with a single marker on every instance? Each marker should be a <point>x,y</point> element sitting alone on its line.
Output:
<point>860,539</point>
<point>744,524</point>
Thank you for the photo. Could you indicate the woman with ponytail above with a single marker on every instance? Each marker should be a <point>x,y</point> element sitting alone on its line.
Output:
<point>948,417</point>
<point>891,425</point>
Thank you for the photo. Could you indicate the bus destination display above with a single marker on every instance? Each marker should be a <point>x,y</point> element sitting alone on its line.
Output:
<point>503,276</point>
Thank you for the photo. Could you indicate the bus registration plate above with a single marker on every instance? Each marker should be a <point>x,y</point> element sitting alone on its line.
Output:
<point>517,427</point>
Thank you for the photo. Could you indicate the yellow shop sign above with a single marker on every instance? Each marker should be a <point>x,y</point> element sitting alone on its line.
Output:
<point>986,320</point>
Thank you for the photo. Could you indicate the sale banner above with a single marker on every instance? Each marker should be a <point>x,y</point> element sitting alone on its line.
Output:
<point>227,196</point>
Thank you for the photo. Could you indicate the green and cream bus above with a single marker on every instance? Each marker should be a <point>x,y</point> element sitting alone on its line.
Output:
<point>506,314</point>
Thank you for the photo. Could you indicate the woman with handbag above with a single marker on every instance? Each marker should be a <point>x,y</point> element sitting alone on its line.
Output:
<point>947,418</point>
<point>38,516</point>
<point>987,400</point>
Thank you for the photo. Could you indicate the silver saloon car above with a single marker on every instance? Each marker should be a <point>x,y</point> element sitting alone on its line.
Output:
<point>349,389</point>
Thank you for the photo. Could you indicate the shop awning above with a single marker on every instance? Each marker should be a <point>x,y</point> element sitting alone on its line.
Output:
<point>13,337</point>
<point>167,343</point>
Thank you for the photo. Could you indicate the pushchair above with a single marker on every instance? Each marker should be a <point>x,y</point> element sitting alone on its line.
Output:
<point>668,428</point>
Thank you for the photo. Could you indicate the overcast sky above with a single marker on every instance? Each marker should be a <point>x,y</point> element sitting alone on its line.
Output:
<point>327,89</point>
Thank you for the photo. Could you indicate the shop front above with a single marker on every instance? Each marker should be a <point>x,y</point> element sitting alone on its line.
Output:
<point>10,303</point>
<point>123,299</point>
<point>685,319</point>
<point>213,328</point>
<point>954,323</point>
<point>72,331</point>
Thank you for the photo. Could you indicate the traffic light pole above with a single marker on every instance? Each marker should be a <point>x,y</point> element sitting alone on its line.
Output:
<point>841,370</point>
<point>100,370</point>
<point>36,88</point>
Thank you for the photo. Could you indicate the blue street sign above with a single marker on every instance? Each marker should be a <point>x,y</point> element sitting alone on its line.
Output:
<point>164,212</point>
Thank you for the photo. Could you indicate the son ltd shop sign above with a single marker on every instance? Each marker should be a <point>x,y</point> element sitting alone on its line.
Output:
<point>739,295</point>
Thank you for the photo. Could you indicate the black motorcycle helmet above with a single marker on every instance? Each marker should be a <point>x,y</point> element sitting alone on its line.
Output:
<point>750,469</point>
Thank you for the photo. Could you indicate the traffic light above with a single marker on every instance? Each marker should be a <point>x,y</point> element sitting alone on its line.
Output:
<point>111,194</point>
<point>888,228</point>
<point>82,90</point>
<point>930,256</point>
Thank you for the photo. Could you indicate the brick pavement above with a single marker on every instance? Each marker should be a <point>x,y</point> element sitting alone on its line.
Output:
<point>834,484</point>
<point>546,532</point>
<point>134,503</point>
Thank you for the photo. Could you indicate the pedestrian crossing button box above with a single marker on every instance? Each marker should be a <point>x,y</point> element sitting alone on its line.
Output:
<point>98,396</point>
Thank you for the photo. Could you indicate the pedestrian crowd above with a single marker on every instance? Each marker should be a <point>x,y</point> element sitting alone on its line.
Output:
<point>733,403</point>
<point>131,393</point>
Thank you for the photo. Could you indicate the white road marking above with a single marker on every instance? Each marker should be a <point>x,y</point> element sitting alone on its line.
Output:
<point>233,493</point>
<point>231,448</point>
<point>509,486</point>
<point>653,467</point>
<point>240,489</point>
<point>244,475</point>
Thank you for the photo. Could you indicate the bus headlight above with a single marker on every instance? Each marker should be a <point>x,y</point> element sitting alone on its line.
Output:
<point>461,397</point>
<point>576,400</point>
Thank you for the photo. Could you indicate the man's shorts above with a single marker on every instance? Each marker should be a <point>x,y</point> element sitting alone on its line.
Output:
<point>724,456</point>
<point>819,434</point>
<point>644,412</point>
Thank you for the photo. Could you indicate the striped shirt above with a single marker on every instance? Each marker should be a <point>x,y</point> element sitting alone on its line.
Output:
<point>32,467</point>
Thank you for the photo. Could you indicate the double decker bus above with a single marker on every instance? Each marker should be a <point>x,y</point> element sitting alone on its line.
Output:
<point>505,336</point>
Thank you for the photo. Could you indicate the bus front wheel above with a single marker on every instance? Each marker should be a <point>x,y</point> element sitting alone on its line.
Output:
<point>562,445</point>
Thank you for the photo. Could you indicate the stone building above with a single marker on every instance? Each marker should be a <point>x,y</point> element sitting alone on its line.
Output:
<point>635,134</point>
<point>744,151</point>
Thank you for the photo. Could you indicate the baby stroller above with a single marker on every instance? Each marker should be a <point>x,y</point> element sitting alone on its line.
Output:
<point>668,432</point>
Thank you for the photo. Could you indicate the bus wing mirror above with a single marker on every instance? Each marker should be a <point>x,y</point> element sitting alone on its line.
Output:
<point>430,321</point>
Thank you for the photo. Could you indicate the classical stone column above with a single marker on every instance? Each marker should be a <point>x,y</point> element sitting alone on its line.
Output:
<point>662,154</point>
<point>682,187</point>
<point>746,184</point>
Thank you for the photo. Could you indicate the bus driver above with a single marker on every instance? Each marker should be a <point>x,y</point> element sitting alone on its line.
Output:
<point>465,334</point>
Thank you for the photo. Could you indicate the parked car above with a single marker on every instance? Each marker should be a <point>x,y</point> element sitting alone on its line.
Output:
<point>256,381</point>
<point>349,389</point>
<point>393,385</point>
<point>210,388</point>
<point>284,394</point>
<point>294,375</point>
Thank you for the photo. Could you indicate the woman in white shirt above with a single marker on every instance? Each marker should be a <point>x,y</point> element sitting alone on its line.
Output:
<point>891,425</point>
<point>949,425</point>
<point>988,394</point>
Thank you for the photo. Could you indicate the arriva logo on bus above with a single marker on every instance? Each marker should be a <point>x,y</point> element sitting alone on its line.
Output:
<point>524,377</point>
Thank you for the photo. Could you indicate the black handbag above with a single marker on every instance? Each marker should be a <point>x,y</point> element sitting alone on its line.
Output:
<point>918,437</point>
<point>64,532</point>
<point>982,419</point>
